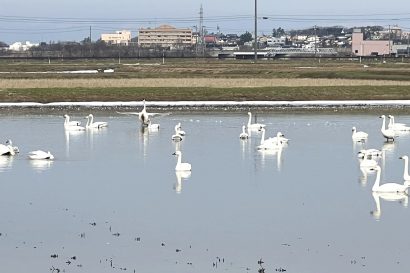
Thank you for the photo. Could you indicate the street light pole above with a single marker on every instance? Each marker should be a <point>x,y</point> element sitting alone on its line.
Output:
<point>256,32</point>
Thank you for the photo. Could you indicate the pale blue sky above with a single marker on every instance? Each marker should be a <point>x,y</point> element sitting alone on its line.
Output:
<point>232,16</point>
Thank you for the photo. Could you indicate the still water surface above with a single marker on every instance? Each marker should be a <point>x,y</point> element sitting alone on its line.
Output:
<point>112,199</point>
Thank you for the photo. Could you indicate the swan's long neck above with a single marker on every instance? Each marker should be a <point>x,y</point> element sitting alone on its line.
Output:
<point>243,129</point>
<point>263,136</point>
<point>179,159</point>
<point>376,182</point>
<point>384,123</point>
<point>391,122</point>
<point>406,169</point>
<point>250,118</point>
<point>88,121</point>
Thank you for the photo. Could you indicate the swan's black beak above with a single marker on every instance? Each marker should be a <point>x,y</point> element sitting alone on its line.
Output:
<point>401,157</point>
<point>174,154</point>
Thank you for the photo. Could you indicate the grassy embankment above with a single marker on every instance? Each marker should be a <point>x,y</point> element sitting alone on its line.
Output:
<point>200,80</point>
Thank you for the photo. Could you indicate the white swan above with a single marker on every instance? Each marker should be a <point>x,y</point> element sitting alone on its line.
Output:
<point>182,133</point>
<point>270,143</point>
<point>387,133</point>
<point>358,136</point>
<point>181,166</point>
<point>39,154</point>
<point>67,121</point>
<point>406,175</point>
<point>72,125</point>
<point>176,136</point>
<point>280,137</point>
<point>143,116</point>
<point>387,187</point>
<point>254,126</point>
<point>243,135</point>
<point>397,126</point>
<point>8,149</point>
<point>94,125</point>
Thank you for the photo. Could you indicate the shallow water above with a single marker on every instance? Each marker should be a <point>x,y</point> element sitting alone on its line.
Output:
<point>306,208</point>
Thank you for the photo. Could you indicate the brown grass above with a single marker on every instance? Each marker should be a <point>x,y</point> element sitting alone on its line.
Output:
<point>189,82</point>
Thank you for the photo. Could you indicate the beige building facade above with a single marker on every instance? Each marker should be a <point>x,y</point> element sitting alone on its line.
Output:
<point>165,36</point>
<point>122,37</point>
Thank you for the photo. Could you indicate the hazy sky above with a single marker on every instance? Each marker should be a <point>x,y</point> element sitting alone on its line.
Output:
<point>63,20</point>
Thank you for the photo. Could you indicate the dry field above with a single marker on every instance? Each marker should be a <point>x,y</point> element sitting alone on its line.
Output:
<point>210,80</point>
<point>189,82</point>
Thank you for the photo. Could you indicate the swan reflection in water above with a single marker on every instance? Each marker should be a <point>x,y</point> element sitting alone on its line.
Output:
<point>41,164</point>
<point>365,171</point>
<point>246,146</point>
<point>392,197</point>
<point>6,162</point>
<point>70,136</point>
<point>270,153</point>
<point>180,176</point>
<point>358,146</point>
<point>388,152</point>
<point>145,132</point>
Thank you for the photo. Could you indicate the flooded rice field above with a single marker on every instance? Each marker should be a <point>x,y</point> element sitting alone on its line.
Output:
<point>111,200</point>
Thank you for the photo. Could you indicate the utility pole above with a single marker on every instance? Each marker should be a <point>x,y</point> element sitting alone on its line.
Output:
<point>315,40</point>
<point>256,32</point>
<point>201,30</point>
<point>90,43</point>
<point>389,41</point>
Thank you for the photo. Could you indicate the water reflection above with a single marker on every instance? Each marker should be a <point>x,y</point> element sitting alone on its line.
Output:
<point>144,134</point>
<point>6,162</point>
<point>180,176</point>
<point>95,133</point>
<point>392,197</point>
<point>41,164</point>
<point>365,171</point>
<point>358,145</point>
<point>268,154</point>
<point>388,151</point>
<point>69,136</point>
<point>177,146</point>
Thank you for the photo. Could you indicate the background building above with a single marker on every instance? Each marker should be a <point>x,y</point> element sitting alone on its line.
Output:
<point>19,46</point>
<point>361,47</point>
<point>165,36</point>
<point>122,37</point>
